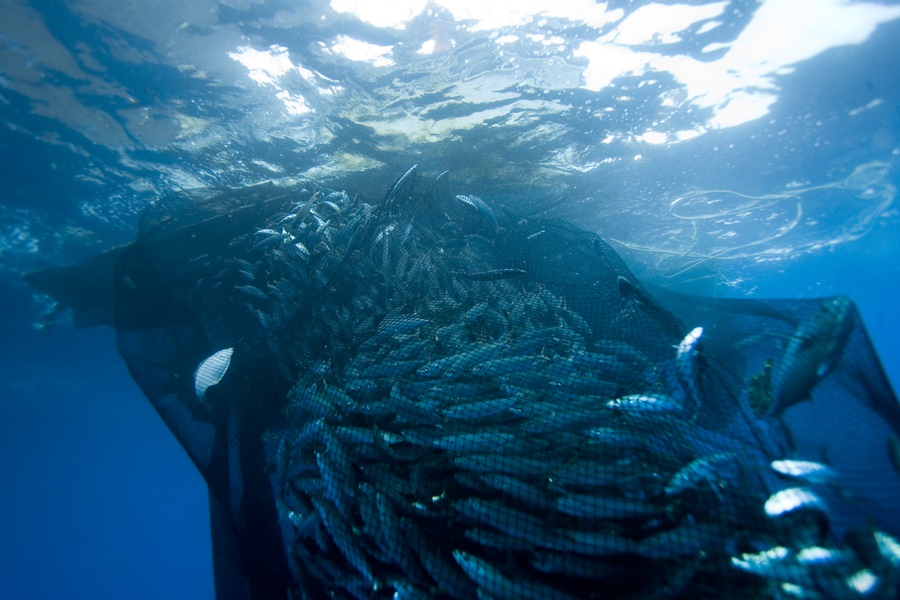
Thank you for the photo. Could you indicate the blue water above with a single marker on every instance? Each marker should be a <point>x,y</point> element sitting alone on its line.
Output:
<point>98,500</point>
<point>106,106</point>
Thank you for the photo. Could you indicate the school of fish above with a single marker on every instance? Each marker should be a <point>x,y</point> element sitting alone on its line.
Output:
<point>459,426</point>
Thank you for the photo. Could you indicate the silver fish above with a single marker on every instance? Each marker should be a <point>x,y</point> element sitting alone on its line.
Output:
<point>344,538</point>
<point>888,547</point>
<point>492,275</point>
<point>804,469</point>
<point>863,581</point>
<point>641,405</point>
<point>705,469</point>
<point>792,499</point>
<point>687,366</point>
<point>812,353</point>
<point>497,585</point>
<point>250,290</point>
<point>765,562</point>
<point>595,506</point>
<point>478,409</point>
<point>479,205</point>
<point>211,371</point>
<point>501,516</point>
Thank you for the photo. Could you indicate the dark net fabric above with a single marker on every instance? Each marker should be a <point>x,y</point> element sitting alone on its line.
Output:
<point>430,397</point>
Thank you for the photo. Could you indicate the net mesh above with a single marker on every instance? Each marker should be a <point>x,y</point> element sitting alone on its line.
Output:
<point>431,397</point>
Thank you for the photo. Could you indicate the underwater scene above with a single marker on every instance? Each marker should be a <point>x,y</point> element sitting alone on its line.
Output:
<point>449,299</point>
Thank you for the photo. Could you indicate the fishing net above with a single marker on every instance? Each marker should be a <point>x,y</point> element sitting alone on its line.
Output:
<point>429,397</point>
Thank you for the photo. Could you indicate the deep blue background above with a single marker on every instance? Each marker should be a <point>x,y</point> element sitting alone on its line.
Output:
<point>97,499</point>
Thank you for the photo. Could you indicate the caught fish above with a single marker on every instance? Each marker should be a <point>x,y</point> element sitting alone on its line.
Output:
<point>641,405</point>
<point>395,326</point>
<point>863,582</point>
<point>792,499</point>
<point>595,506</point>
<point>888,547</point>
<point>819,556</point>
<point>253,291</point>
<point>766,562</point>
<point>804,469</point>
<point>474,441</point>
<point>402,188</point>
<point>687,361</point>
<point>494,275</point>
<point>503,366</point>
<point>708,469</point>
<point>812,353</point>
<point>344,537</point>
<point>485,575</point>
<point>495,584</point>
<point>479,409</point>
<point>682,541</point>
<point>211,371</point>
<point>516,488</point>
<point>303,211</point>
<point>483,209</point>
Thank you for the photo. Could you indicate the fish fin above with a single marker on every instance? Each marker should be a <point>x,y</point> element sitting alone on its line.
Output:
<point>402,189</point>
<point>440,187</point>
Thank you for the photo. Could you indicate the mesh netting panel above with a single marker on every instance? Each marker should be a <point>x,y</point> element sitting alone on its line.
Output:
<point>430,397</point>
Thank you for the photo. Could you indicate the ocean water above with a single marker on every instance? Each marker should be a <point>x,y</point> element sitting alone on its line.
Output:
<point>736,149</point>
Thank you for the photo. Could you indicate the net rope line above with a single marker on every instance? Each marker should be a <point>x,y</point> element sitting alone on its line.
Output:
<point>866,182</point>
